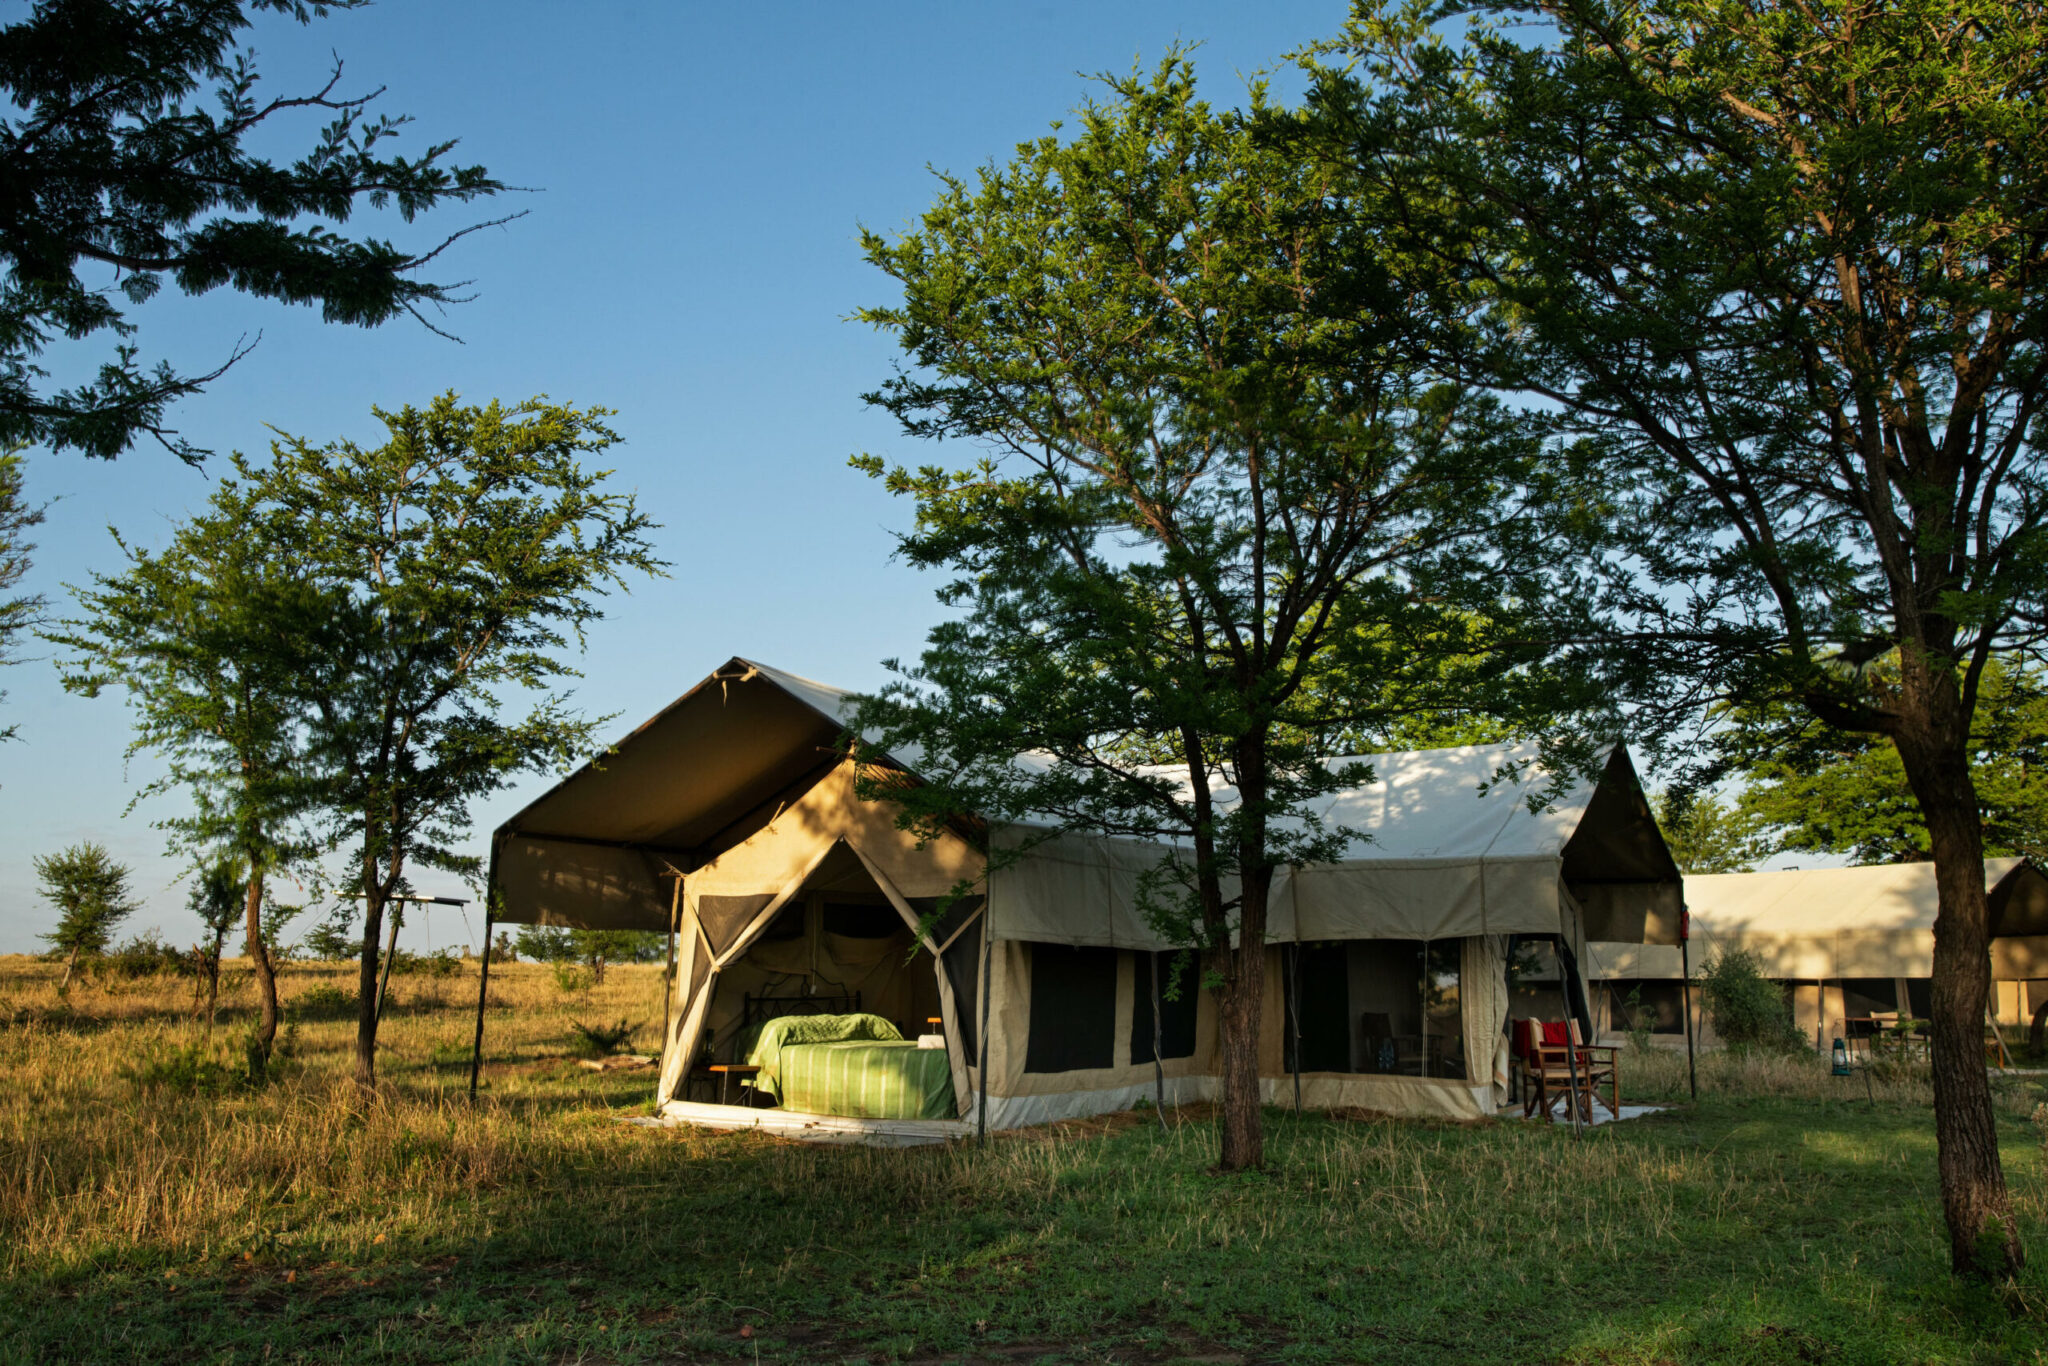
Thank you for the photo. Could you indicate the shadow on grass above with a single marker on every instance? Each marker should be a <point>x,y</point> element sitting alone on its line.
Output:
<point>1758,1232</point>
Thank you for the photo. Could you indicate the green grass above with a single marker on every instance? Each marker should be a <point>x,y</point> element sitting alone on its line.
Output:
<point>1795,1221</point>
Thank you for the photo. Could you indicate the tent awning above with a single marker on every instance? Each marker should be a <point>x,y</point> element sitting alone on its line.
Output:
<point>1446,843</point>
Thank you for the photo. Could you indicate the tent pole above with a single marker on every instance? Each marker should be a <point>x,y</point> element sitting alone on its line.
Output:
<point>1692,1075</point>
<point>1422,1062</point>
<point>1294,1016</point>
<point>668,975</point>
<point>483,986</point>
<point>390,952</point>
<point>1991,1017</point>
<point>1571,1062</point>
<point>988,952</point>
<point>1158,1068</point>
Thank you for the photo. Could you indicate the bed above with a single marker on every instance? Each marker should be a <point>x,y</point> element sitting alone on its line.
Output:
<point>854,1065</point>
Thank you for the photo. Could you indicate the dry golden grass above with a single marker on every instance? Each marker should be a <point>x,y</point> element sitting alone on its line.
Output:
<point>92,1158</point>
<point>1789,1216</point>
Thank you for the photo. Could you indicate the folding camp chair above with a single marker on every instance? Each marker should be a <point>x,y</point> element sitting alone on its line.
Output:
<point>1554,1066</point>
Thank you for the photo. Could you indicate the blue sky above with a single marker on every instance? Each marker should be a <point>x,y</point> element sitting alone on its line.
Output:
<point>689,258</point>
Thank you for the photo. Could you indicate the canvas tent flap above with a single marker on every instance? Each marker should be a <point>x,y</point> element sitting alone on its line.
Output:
<point>587,886</point>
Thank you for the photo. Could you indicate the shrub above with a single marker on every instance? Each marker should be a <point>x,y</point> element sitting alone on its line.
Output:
<point>1747,1009</point>
<point>603,1039</point>
<point>324,999</point>
<point>572,977</point>
<point>187,1071</point>
<point>146,955</point>
<point>442,962</point>
<point>1641,1020</point>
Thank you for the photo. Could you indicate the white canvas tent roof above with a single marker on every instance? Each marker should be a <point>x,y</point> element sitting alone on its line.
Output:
<point>1435,859</point>
<point>1817,924</point>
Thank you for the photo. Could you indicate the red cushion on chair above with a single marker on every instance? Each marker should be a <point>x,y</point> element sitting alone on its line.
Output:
<point>1557,1033</point>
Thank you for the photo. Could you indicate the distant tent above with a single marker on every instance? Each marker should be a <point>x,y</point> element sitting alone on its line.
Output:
<point>1844,942</point>
<point>1393,959</point>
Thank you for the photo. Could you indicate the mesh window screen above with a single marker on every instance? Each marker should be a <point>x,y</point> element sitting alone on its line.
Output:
<point>1176,1017</point>
<point>1073,1009</point>
<point>961,961</point>
<point>725,917</point>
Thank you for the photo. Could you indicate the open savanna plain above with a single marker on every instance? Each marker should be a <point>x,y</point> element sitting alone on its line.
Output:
<point>154,1206</point>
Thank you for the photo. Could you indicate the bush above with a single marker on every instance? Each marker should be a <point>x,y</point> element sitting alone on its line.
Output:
<point>440,963</point>
<point>604,1040</point>
<point>572,977</point>
<point>147,955</point>
<point>1641,1020</point>
<point>187,1071</point>
<point>324,999</point>
<point>1746,1008</point>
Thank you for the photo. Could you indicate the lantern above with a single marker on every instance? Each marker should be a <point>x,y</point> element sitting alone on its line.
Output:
<point>1841,1058</point>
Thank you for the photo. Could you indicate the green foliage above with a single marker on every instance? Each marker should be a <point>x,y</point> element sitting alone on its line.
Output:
<point>603,1040</point>
<point>572,977</point>
<point>217,898</point>
<point>1215,485</point>
<point>440,964</point>
<point>208,640</point>
<point>1825,791</point>
<point>114,162</point>
<point>325,654</point>
<point>17,614</point>
<point>1641,1020</point>
<point>452,563</point>
<point>1747,1009</point>
<point>192,1070</point>
<point>1225,518</point>
<point>208,1069</point>
<point>593,949</point>
<point>1708,835</point>
<point>336,938</point>
<point>276,917</point>
<point>1776,274</point>
<point>91,894</point>
<point>147,955</point>
<point>324,999</point>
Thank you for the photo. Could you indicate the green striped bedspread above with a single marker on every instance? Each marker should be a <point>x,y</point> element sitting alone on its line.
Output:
<point>867,1079</point>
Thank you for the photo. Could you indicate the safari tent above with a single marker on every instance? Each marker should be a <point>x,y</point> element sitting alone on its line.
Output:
<point>729,820</point>
<point>1843,943</point>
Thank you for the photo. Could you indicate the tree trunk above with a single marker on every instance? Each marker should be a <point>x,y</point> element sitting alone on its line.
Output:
<point>2037,1032</point>
<point>70,966</point>
<point>1243,999</point>
<point>366,982</point>
<point>1983,1234</point>
<point>266,980</point>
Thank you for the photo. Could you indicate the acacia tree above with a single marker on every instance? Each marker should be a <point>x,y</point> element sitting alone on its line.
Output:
<point>119,180</point>
<point>1201,499</point>
<point>1779,270</point>
<point>90,891</point>
<point>207,640</point>
<point>216,898</point>
<point>451,565</point>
